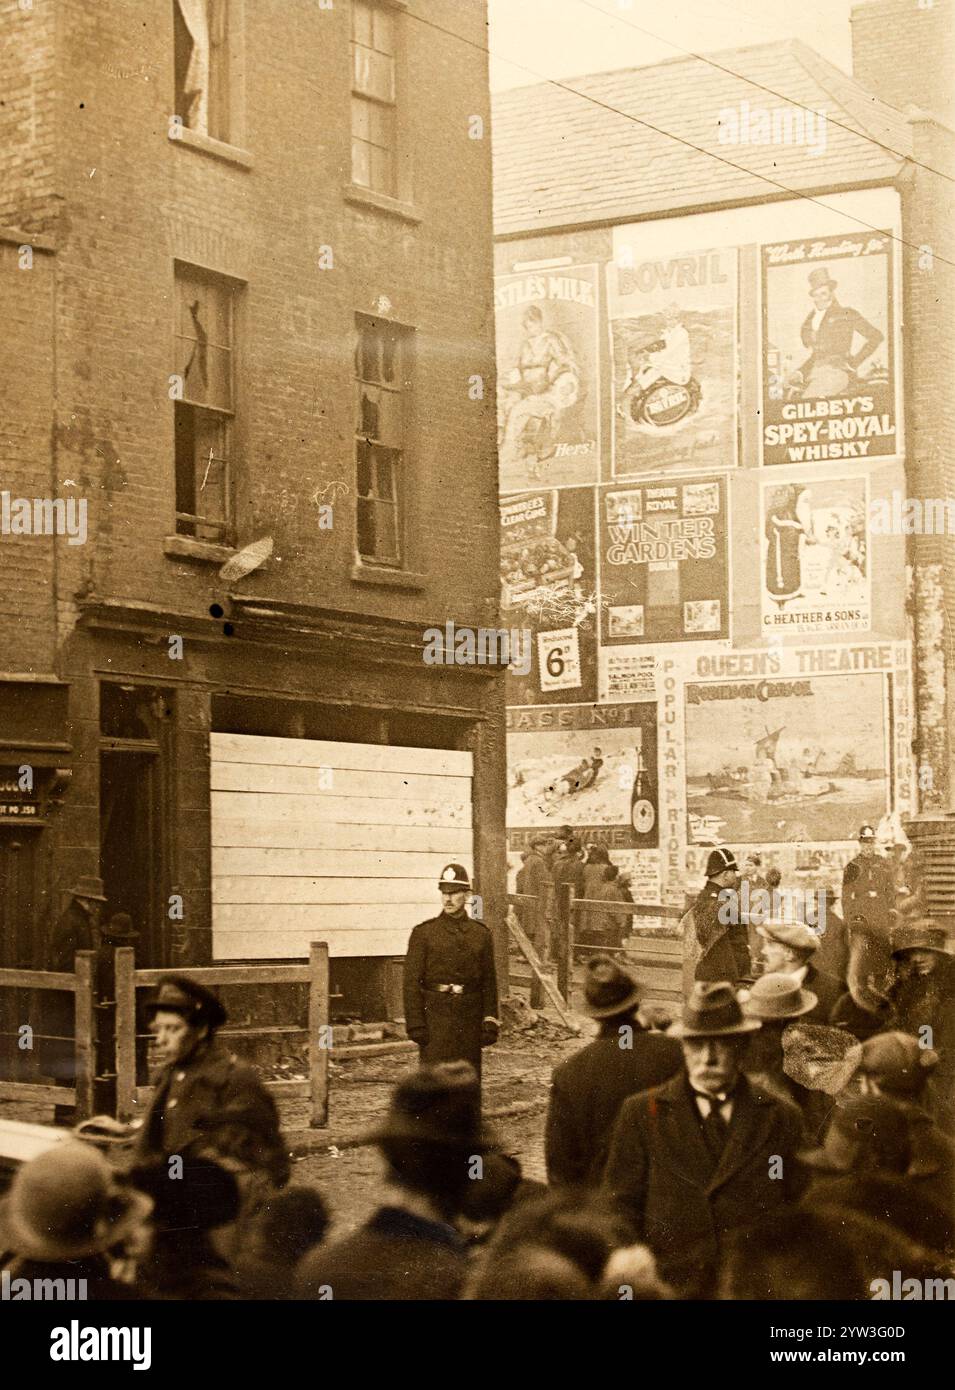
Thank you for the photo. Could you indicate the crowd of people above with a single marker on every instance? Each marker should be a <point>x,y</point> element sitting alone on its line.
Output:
<point>548,866</point>
<point>790,1135</point>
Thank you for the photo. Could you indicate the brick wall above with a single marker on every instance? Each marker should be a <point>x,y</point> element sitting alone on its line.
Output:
<point>904,52</point>
<point>136,199</point>
<point>26,115</point>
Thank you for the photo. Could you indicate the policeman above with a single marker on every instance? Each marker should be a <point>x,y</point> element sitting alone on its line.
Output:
<point>868,907</point>
<point>450,984</point>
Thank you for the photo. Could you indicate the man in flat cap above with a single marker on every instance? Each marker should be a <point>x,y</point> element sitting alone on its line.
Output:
<point>715,941</point>
<point>450,983</point>
<point>788,948</point>
<point>705,1153</point>
<point>589,1088</point>
<point>206,1102</point>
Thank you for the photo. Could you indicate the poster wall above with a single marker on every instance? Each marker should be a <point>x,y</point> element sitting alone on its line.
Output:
<point>547,377</point>
<point>673,345</point>
<point>815,556</point>
<point>548,587</point>
<point>664,565</point>
<point>829,387</point>
<point>590,768</point>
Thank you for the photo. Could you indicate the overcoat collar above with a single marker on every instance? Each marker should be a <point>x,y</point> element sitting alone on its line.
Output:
<point>752,1118</point>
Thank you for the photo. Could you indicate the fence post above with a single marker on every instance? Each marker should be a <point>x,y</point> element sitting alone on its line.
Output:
<point>85,1039</point>
<point>319,1034</point>
<point>565,938</point>
<point>124,960</point>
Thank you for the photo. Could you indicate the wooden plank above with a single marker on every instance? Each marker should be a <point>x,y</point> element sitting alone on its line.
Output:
<point>38,979</point>
<point>320,863</point>
<point>236,974</point>
<point>125,963</point>
<point>234,889</point>
<point>287,831</point>
<point>548,984</point>
<point>319,1033</point>
<point>266,918</point>
<point>352,810</point>
<point>313,781</point>
<point>252,944</point>
<point>85,1043</point>
<point>34,1093</point>
<point>368,757</point>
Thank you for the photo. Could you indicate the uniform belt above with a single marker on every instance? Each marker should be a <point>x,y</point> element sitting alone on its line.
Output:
<point>452,989</point>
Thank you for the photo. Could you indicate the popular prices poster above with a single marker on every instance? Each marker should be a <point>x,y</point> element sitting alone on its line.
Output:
<point>829,375</point>
<point>673,343</point>
<point>663,562</point>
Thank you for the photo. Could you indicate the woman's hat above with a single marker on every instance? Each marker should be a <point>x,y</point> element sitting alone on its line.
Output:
<point>608,989</point>
<point>777,995</point>
<point>196,1004</point>
<point>89,887</point>
<point>712,1011</point>
<point>921,935</point>
<point>67,1204</point>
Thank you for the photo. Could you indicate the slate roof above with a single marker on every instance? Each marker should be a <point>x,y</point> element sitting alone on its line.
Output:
<point>563,160</point>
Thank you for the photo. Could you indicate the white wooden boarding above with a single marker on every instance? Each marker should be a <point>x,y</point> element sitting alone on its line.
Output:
<point>314,840</point>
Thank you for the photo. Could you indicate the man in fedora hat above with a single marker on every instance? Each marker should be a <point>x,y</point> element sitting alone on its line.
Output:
<point>450,983</point>
<point>788,948</point>
<point>777,1001</point>
<point>433,1144</point>
<point>588,1089</point>
<point>69,1217</point>
<point>715,941</point>
<point>706,1152</point>
<point>206,1102</point>
<point>75,930</point>
<point>829,332</point>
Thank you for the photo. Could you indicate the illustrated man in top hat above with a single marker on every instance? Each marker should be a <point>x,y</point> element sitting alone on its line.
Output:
<point>589,1088</point>
<point>829,331</point>
<point>450,983</point>
<point>714,933</point>
<point>206,1102</point>
<point>707,1152</point>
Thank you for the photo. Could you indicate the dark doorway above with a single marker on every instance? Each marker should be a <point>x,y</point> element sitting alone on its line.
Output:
<point>21,945</point>
<point>130,863</point>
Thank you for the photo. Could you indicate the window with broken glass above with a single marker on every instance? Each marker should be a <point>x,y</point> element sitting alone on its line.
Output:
<point>373,103</point>
<point>383,370</point>
<point>201,51</point>
<point>204,415</point>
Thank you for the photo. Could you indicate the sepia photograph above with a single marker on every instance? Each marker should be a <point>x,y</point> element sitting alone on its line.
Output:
<point>477,676</point>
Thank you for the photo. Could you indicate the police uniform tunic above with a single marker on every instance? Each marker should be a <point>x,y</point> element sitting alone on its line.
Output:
<point>450,988</point>
<point>868,892</point>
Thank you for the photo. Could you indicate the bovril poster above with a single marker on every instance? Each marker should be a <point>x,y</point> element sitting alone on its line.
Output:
<point>815,556</point>
<point>547,382</point>
<point>829,388</point>
<point>663,562</point>
<point>673,344</point>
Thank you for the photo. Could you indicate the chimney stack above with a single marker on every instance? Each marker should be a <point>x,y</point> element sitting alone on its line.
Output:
<point>904,52</point>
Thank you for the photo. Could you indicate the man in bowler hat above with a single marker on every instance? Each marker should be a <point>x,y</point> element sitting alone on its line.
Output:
<point>450,983</point>
<point>434,1145</point>
<point>589,1088</point>
<point>705,1153</point>
<point>206,1102</point>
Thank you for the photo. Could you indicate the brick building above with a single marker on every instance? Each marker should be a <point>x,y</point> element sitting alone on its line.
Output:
<point>721,593</point>
<point>246,253</point>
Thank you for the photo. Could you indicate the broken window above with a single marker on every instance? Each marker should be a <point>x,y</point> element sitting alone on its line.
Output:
<point>202,65</point>
<point>374,121</point>
<point>383,370</point>
<point>204,415</point>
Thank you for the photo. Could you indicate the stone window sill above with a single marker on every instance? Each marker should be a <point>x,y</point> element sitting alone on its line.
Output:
<point>368,198</point>
<point>205,552</point>
<point>385,578</point>
<point>218,149</point>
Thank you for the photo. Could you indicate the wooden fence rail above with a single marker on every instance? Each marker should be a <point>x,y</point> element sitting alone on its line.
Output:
<point>131,1098</point>
<point>80,983</point>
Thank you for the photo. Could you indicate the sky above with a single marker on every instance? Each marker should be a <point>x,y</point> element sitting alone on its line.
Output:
<point>535,39</point>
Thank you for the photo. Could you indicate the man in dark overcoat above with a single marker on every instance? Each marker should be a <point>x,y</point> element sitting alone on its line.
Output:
<point>868,907</point>
<point>707,1152</point>
<point>589,1088</point>
<point>206,1102</point>
<point>450,983</point>
<point>922,997</point>
<point>714,933</point>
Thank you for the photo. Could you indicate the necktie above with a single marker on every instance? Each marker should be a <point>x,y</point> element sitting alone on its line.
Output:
<point>715,1129</point>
